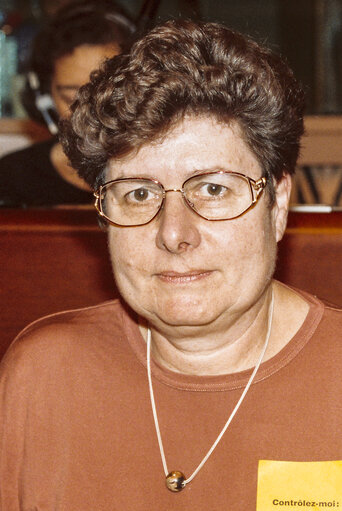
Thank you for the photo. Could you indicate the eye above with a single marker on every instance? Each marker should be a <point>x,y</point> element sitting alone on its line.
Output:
<point>68,100</point>
<point>213,189</point>
<point>140,195</point>
<point>66,94</point>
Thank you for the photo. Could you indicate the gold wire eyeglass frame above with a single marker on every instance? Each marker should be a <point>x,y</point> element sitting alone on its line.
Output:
<point>256,189</point>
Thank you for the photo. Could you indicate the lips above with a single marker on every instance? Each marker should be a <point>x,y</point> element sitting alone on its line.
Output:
<point>173,277</point>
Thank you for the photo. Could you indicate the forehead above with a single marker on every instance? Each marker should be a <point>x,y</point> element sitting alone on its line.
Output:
<point>75,67</point>
<point>196,144</point>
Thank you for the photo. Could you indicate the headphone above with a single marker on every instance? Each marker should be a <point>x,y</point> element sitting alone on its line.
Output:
<point>44,103</point>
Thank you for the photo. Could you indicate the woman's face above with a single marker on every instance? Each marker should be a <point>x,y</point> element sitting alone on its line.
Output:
<point>182,270</point>
<point>72,71</point>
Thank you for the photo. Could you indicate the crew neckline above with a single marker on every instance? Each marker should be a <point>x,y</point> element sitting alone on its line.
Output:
<point>230,381</point>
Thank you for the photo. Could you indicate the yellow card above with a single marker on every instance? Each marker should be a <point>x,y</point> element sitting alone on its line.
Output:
<point>287,485</point>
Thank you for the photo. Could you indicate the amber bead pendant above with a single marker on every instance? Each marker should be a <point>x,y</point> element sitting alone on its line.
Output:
<point>175,480</point>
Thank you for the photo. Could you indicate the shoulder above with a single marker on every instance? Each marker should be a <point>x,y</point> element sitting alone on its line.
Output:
<point>332,320</point>
<point>62,338</point>
<point>316,303</point>
<point>324,329</point>
<point>23,154</point>
<point>24,173</point>
<point>326,315</point>
<point>321,331</point>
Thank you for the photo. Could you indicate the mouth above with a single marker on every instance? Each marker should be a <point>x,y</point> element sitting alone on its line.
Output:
<point>173,277</point>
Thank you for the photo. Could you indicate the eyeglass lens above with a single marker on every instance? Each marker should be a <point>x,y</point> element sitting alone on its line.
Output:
<point>131,202</point>
<point>214,196</point>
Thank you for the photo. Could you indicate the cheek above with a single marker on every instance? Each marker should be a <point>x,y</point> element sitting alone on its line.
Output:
<point>251,248</point>
<point>133,261</point>
<point>266,246</point>
<point>130,260</point>
<point>61,107</point>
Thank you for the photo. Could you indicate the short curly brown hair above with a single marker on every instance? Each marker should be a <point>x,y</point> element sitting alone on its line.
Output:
<point>180,68</point>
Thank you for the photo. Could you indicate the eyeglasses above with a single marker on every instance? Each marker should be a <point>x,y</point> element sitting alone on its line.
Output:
<point>221,195</point>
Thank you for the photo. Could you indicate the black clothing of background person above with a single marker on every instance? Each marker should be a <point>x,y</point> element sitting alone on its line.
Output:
<point>28,179</point>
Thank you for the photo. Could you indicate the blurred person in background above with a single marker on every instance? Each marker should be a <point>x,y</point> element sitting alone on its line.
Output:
<point>76,39</point>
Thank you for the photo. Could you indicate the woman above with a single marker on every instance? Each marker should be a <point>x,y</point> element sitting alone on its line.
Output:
<point>73,43</point>
<point>206,365</point>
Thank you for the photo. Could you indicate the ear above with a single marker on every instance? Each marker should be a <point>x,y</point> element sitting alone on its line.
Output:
<point>281,205</point>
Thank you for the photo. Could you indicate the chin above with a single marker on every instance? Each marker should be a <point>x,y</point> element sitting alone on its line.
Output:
<point>173,309</point>
<point>184,314</point>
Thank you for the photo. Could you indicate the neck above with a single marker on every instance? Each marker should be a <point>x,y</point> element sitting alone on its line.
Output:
<point>234,348</point>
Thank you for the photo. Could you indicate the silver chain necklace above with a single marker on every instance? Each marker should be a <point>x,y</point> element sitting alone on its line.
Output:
<point>176,480</point>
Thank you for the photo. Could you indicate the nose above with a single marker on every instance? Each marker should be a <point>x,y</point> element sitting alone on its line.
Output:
<point>177,229</point>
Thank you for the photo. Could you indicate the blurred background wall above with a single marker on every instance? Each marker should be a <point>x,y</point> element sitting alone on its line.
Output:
<point>306,32</point>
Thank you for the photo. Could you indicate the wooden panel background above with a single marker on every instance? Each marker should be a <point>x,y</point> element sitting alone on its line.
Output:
<point>53,260</point>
